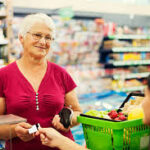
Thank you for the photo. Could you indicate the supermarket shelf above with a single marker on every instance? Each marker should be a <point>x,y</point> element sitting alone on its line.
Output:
<point>131,49</point>
<point>131,63</point>
<point>131,76</point>
<point>131,89</point>
<point>129,36</point>
<point>127,63</point>
<point>3,42</point>
<point>126,49</point>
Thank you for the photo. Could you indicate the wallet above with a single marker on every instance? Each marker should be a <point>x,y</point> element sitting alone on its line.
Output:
<point>65,117</point>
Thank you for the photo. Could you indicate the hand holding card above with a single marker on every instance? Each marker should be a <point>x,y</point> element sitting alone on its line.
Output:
<point>34,128</point>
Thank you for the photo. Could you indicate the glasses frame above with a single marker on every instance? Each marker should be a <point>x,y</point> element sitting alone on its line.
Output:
<point>36,38</point>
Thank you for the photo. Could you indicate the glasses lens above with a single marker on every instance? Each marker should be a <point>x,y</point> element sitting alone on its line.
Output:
<point>48,39</point>
<point>37,36</point>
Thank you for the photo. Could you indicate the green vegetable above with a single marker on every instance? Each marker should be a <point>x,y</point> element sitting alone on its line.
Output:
<point>96,113</point>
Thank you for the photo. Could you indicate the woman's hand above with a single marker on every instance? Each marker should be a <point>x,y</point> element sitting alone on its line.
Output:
<point>59,126</point>
<point>22,131</point>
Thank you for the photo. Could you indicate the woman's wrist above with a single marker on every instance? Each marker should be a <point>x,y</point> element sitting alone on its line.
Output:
<point>71,117</point>
<point>74,121</point>
<point>7,132</point>
<point>13,130</point>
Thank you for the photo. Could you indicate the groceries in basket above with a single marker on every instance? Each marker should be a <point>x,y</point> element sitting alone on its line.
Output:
<point>110,115</point>
<point>133,109</point>
<point>136,113</point>
<point>129,110</point>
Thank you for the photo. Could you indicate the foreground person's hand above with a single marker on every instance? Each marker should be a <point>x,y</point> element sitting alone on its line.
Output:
<point>22,131</point>
<point>50,137</point>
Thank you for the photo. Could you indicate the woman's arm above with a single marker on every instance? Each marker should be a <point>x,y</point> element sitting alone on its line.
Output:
<point>6,131</point>
<point>71,101</point>
<point>2,106</point>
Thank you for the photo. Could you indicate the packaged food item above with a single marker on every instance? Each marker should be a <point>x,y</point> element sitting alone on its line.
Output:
<point>132,105</point>
<point>136,113</point>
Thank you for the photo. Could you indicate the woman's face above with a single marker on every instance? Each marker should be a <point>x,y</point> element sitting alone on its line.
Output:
<point>36,42</point>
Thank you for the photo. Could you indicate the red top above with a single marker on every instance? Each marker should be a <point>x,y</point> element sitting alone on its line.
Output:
<point>40,107</point>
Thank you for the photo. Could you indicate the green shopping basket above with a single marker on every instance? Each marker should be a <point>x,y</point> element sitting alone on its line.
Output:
<point>104,134</point>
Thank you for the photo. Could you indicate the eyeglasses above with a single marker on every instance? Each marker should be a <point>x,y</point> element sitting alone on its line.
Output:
<point>38,37</point>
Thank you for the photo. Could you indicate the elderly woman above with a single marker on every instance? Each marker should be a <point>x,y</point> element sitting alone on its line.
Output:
<point>35,88</point>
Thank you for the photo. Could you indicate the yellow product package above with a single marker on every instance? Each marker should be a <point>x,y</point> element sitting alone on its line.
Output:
<point>136,113</point>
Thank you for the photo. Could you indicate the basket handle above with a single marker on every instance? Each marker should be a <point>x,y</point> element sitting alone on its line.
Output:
<point>128,97</point>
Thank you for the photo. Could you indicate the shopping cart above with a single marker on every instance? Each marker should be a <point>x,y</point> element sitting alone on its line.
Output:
<point>105,134</point>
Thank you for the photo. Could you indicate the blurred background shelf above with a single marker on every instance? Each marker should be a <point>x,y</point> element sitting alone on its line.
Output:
<point>126,49</point>
<point>129,36</point>
<point>131,89</point>
<point>131,76</point>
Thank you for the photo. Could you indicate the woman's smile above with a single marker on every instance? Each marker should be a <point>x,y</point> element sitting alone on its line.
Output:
<point>40,47</point>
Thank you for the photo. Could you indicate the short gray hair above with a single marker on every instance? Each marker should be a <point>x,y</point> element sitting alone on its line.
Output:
<point>31,19</point>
